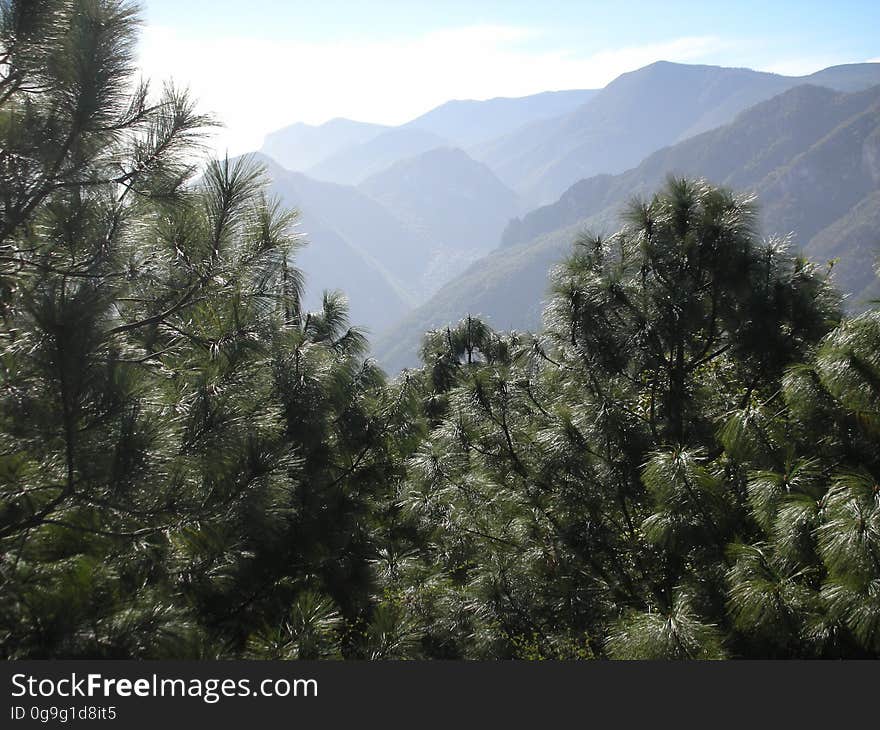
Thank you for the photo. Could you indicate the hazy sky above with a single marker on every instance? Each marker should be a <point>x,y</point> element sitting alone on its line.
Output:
<point>262,64</point>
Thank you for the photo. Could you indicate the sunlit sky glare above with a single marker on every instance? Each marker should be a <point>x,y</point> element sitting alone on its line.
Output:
<point>263,64</point>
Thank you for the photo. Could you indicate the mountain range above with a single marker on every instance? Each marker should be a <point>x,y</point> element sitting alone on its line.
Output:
<point>393,241</point>
<point>468,123</point>
<point>347,151</point>
<point>467,207</point>
<point>811,155</point>
<point>637,113</point>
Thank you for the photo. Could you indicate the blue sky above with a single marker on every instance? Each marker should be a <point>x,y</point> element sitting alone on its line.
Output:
<point>260,65</point>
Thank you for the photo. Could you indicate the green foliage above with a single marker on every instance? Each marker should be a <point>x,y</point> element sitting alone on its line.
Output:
<point>187,457</point>
<point>643,477</point>
<point>674,634</point>
<point>683,463</point>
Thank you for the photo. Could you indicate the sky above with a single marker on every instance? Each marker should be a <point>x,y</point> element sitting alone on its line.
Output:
<point>261,65</point>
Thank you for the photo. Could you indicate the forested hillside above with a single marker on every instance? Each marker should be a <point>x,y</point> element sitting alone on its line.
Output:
<point>198,462</point>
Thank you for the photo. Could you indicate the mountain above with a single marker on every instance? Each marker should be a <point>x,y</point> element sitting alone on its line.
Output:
<point>467,123</point>
<point>455,202</point>
<point>761,140</point>
<point>347,236</point>
<point>394,241</point>
<point>374,301</point>
<point>846,77</point>
<point>811,155</point>
<point>347,152</point>
<point>301,146</point>
<point>638,113</point>
<point>396,248</point>
<point>853,242</point>
<point>352,165</point>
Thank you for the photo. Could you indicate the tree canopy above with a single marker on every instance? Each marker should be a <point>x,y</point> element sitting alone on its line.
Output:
<point>682,464</point>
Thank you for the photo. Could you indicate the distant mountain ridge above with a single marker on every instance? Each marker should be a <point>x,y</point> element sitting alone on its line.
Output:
<point>352,165</point>
<point>756,143</point>
<point>391,243</point>
<point>467,123</point>
<point>541,144</point>
<point>638,113</point>
<point>301,146</point>
<point>346,151</point>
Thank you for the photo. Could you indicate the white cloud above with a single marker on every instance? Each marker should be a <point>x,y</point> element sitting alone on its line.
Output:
<point>255,86</point>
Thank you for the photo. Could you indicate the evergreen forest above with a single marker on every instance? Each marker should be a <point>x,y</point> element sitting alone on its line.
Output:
<point>681,462</point>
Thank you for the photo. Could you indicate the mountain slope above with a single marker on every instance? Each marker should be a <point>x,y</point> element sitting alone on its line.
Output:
<point>458,200</point>
<point>455,202</point>
<point>301,146</point>
<point>846,77</point>
<point>353,165</point>
<point>398,249</point>
<point>852,242</point>
<point>811,155</point>
<point>390,245</point>
<point>638,113</point>
<point>336,254</point>
<point>758,142</point>
<point>466,123</point>
<point>374,301</point>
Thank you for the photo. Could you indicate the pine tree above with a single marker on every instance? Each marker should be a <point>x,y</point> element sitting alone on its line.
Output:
<point>578,489</point>
<point>806,585</point>
<point>682,464</point>
<point>191,463</point>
